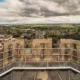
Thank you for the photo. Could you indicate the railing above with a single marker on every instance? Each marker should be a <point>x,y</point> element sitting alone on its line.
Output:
<point>40,57</point>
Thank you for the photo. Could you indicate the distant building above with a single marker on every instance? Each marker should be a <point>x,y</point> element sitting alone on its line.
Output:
<point>39,34</point>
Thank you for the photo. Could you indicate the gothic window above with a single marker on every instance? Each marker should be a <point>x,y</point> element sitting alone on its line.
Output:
<point>18,48</point>
<point>66,48</point>
<point>1,50</point>
<point>74,52</point>
<point>42,50</point>
<point>10,51</point>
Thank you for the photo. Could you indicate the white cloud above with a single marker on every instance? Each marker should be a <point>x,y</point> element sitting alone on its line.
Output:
<point>27,11</point>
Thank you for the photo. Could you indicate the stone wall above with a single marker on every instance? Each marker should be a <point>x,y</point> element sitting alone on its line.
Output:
<point>42,45</point>
<point>72,47</point>
<point>9,49</point>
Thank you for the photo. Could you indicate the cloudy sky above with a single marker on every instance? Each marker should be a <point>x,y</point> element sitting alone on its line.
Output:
<point>39,11</point>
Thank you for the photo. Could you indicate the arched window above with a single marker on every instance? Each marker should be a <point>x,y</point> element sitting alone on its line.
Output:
<point>42,50</point>
<point>1,54</point>
<point>74,52</point>
<point>1,50</point>
<point>18,48</point>
<point>66,48</point>
<point>10,47</point>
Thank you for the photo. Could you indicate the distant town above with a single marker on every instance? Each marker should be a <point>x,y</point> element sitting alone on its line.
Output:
<point>30,32</point>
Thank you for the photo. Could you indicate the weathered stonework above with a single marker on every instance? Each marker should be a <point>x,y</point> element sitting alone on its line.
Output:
<point>43,46</point>
<point>72,47</point>
<point>11,47</point>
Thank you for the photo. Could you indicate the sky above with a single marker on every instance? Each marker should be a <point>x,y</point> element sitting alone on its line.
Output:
<point>39,11</point>
<point>1,0</point>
